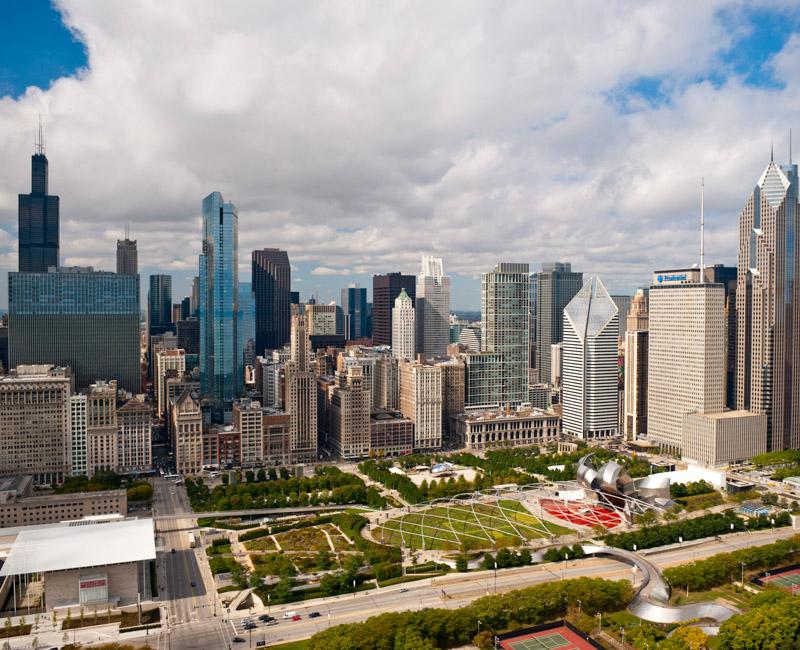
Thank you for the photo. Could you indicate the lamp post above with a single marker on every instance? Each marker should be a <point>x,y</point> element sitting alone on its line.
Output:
<point>599,622</point>
<point>495,576</point>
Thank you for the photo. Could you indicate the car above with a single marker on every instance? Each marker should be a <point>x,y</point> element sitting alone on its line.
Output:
<point>192,583</point>
<point>403,590</point>
<point>238,639</point>
<point>313,615</point>
<point>266,618</point>
<point>296,617</point>
<point>272,622</point>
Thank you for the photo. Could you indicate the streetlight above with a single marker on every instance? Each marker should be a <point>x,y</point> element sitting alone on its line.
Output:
<point>742,563</point>
<point>599,622</point>
<point>622,631</point>
<point>495,576</point>
<point>479,626</point>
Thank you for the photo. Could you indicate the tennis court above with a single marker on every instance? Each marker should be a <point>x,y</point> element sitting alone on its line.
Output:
<point>789,580</point>
<point>561,638</point>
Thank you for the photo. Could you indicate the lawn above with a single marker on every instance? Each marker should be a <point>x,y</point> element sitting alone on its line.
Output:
<point>125,619</point>
<point>450,527</point>
<point>303,539</point>
<point>261,544</point>
<point>339,541</point>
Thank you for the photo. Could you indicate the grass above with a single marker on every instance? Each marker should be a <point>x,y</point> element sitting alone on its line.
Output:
<point>727,592</point>
<point>452,527</point>
<point>339,542</point>
<point>292,645</point>
<point>261,544</point>
<point>303,539</point>
<point>409,578</point>
<point>125,619</point>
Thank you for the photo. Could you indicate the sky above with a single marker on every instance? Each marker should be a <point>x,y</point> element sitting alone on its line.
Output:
<point>359,136</point>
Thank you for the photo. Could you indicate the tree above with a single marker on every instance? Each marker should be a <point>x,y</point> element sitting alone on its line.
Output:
<point>461,563</point>
<point>411,639</point>
<point>283,589</point>
<point>261,475</point>
<point>685,638</point>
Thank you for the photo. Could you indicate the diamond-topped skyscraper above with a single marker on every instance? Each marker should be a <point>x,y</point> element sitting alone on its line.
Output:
<point>38,219</point>
<point>768,306</point>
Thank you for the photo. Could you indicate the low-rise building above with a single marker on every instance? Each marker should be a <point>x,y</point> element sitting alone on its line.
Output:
<point>506,428</point>
<point>715,439</point>
<point>277,438</point>
<point>222,446</point>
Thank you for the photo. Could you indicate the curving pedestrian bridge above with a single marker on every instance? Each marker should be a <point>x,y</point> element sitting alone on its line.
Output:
<point>651,601</point>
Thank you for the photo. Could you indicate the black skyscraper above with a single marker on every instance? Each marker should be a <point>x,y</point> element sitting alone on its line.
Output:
<point>159,305</point>
<point>272,277</point>
<point>385,288</point>
<point>38,219</point>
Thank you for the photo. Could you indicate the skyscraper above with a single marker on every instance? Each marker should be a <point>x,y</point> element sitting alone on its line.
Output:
<point>221,373</point>
<point>505,314</point>
<point>686,369</point>
<point>247,323</point>
<point>590,394</point>
<point>301,394</point>
<point>403,327</point>
<point>127,256</point>
<point>433,307</point>
<point>159,305</point>
<point>385,288</point>
<point>77,317</point>
<point>636,356</point>
<point>272,275</point>
<point>557,285</point>
<point>768,306</point>
<point>38,219</point>
<point>354,306</point>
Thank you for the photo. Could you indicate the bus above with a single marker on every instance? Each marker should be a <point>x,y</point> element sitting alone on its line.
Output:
<point>172,477</point>
<point>192,541</point>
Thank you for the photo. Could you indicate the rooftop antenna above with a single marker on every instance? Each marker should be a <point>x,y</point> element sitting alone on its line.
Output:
<point>127,230</point>
<point>790,145</point>
<point>771,152</point>
<point>702,231</point>
<point>40,141</point>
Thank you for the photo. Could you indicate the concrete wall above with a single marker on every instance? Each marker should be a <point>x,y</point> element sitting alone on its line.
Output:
<point>124,582</point>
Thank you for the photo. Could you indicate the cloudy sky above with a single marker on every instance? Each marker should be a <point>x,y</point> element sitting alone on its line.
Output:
<point>360,135</point>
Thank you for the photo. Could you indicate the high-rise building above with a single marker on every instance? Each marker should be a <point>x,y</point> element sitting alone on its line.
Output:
<point>623,304</point>
<point>636,357</point>
<point>432,308</point>
<point>135,438</point>
<point>484,381</point>
<point>534,296</point>
<point>768,306</point>
<point>321,320</point>
<point>590,393</point>
<point>272,276</point>
<point>350,410</point>
<point>77,317</point>
<point>300,348</point>
<point>189,336</point>
<point>506,321</point>
<point>421,402</point>
<point>686,361</point>
<point>221,373</point>
<point>557,285</point>
<point>453,379</point>
<point>194,299</point>
<point>77,411</point>
<point>127,257</point>
<point>354,307</point>
<point>385,289</point>
<point>301,394</point>
<point>403,327</point>
<point>35,423</point>
<point>166,360</point>
<point>159,305</point>
<point>247,324</point>
<point>102,444</point>
<point>248,420</point>
<point>38,219</point>
<point>187,433</point>
<point>387,387</point>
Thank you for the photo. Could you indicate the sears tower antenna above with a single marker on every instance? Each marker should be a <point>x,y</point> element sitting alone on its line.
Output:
<point>702,232</point>
<point>40,141</point>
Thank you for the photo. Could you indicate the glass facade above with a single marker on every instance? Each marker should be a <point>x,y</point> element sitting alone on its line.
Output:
<point>354,305</point>
<point>81,318</point>
<point>221,372</point>
<point>247,323</point>
<point>38,222</point>
<point>159,305</point>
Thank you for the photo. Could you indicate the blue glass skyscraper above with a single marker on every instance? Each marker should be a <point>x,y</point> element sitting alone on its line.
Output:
<point>221,371</point>
<point>247,323</point>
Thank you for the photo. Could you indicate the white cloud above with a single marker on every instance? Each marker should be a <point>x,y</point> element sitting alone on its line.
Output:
<point>358,136</point>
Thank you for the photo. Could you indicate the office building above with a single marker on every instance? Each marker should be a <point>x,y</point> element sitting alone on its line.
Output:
<point>301,393</point>
<point>470,337</point>
<point>350,407</point>
<point>35,423</point>
<point>188,337</point>
<point>77,317</point>
<point>421,402</point>
<point>77,447</point>
<point>135,438</point>
<point>271,277</point>
<point>404,327</point>
<point>38,223</point>
<point>354,308</point>
<point>590,393</point>
<point>159,305</point>
<point>479,430</point>
<point>533,279</point>
<point>194,299</point>
<point>127,256</point>
<point>247,324</point>
<point>390,433</point>
<point>300,345</point>
<point>385,289</point>
<point>102,445</point>
<point>484,382</point>
<point>432,308</point>
<point>768,306</point>
<point>686,358</point>
<point>506,321</point>
<point>715,439</point>
<point>167,360</point>
<point>636,362</point>
<point>249,422</point>
<point>387,383</point>
<point>221,372</point>
<point>557,285</point>
<point>277,437</point>
<point>453,390</point>
<point>187,433</point>
<point>321,320</point>
<point>623,304</point>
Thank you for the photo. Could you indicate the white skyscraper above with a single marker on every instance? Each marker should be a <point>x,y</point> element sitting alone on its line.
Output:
<point>433,307</point>
<point>403,325</point>
<point>589,382</point>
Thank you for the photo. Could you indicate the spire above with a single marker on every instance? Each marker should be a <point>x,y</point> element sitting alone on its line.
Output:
<point>40,140</point>
<point>702,231</point>
<point>771,152</point>
<point>790,145</point>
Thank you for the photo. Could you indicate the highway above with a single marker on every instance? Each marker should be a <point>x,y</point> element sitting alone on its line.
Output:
<point>185,582</point>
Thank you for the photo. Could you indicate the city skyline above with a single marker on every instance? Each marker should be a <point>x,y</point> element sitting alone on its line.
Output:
<point>464,165</point>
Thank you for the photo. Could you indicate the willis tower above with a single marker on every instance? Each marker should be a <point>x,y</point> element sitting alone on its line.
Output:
<point>38,219</point>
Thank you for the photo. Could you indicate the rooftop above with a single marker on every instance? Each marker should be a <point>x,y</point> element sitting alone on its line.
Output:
<point>76,545</point>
